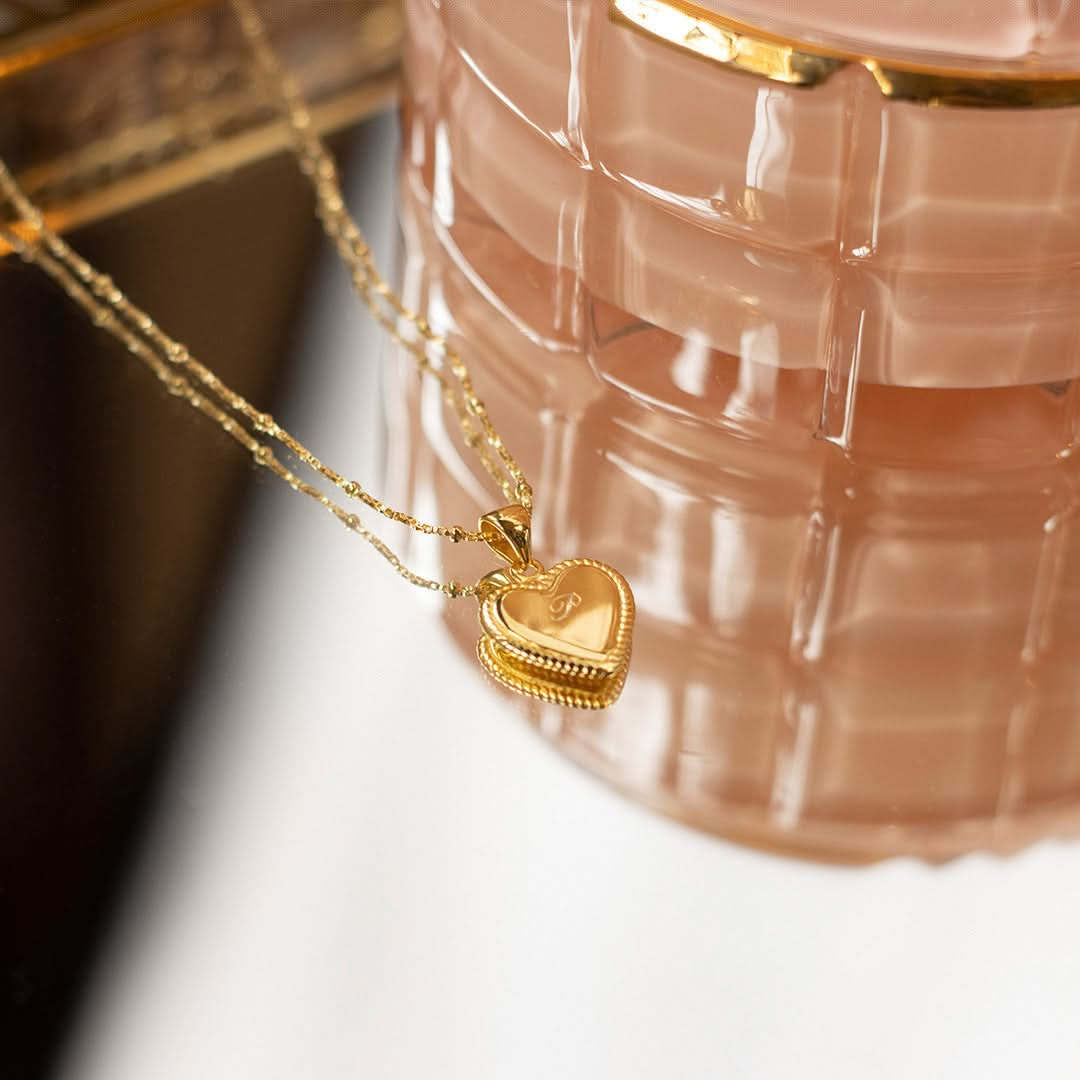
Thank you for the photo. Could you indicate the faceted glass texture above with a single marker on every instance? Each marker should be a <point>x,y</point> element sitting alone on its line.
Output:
<point>801,363</point>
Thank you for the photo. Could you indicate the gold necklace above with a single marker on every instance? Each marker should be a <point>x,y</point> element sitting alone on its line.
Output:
<point>561,635</point>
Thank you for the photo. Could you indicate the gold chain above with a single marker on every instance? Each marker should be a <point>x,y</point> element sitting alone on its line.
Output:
<point>317,164</point>
<point>186,378</point>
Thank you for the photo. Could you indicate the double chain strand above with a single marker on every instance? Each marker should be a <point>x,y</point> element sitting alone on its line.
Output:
<point>187,378</point>
<point>317,164</point>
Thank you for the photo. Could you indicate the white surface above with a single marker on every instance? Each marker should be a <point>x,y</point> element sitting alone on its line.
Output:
<point>359,872</point>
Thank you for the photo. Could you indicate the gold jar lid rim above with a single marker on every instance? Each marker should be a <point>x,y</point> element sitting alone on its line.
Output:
<point>706,34</point>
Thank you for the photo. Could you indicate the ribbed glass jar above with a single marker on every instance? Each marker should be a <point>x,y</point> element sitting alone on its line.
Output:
<point>801,361</point>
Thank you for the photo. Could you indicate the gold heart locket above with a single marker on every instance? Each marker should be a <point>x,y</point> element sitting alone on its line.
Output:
<point>562,635</point>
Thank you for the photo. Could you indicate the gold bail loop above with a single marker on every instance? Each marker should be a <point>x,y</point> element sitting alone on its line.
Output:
<point>508,532</point>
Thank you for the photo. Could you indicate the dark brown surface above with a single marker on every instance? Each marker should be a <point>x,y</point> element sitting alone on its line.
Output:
<point>119,506</point>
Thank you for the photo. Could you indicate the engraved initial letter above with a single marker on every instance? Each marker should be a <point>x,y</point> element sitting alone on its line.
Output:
<point>563,604</point>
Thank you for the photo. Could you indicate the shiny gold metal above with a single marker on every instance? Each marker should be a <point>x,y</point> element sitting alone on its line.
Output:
<point>561,635</point>
<point>748,49</point>
<point>575,654</point>
<point>508,532</point>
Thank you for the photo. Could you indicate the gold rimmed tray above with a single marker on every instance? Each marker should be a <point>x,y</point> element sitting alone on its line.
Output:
<point>106,104</point>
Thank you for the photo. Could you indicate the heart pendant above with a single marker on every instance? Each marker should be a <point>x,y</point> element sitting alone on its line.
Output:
<point>561,635</point>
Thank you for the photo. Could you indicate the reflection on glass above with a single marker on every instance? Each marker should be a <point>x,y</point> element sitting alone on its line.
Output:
<point>848,660</point>
<point>850,525</point>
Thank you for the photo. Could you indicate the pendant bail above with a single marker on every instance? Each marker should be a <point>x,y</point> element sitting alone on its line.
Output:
<point>508,532</point>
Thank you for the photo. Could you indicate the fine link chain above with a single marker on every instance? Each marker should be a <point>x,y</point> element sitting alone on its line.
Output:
<point>185,377</point>
<point>109,310</point>
<point>317,164</point>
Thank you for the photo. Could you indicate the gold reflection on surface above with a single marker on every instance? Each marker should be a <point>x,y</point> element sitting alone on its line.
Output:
<point>109,105</point>
<point>35,33</point>
<point>735,45</point>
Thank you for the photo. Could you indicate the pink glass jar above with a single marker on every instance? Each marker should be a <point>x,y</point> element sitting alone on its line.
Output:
<point>801,361</point>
